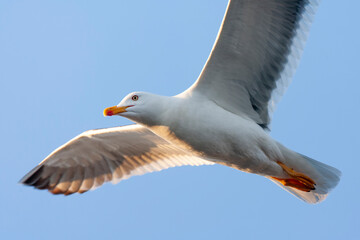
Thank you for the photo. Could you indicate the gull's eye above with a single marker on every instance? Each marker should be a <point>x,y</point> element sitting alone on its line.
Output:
<point>135,97</point>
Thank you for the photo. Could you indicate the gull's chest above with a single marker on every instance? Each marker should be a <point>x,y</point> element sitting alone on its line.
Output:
<point>209,132</point>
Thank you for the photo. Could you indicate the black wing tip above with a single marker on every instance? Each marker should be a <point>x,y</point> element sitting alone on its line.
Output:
<point>31,177</point>
<point>35,179</point>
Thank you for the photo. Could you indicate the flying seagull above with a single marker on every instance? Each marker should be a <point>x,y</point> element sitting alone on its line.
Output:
<point>223,118</point>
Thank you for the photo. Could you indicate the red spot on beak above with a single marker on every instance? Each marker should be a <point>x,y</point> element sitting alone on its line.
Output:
<point>109,113</point>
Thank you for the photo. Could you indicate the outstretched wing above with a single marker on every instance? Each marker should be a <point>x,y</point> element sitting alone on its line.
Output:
<point>256,52</point>
<point>112,154</point>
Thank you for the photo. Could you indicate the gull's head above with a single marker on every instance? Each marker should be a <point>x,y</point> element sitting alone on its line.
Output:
<point>137,106</point>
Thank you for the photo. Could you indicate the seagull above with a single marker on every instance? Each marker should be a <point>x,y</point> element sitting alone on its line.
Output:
<point>223,118</point>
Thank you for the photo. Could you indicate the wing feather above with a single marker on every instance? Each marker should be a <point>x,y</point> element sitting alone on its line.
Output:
<point>98,156</point>
<point>255,54</point>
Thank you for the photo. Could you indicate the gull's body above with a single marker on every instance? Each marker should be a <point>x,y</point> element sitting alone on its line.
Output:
<point>222,118</point>
<point>246,149</point>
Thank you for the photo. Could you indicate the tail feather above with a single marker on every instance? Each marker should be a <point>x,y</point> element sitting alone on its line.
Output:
<point>325,176</point>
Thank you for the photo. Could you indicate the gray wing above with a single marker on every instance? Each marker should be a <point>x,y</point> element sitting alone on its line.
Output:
<point>112,154</point>
<point>256,52</point>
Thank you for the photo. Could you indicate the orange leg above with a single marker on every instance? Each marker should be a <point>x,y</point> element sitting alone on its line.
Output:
<point>299,181</point>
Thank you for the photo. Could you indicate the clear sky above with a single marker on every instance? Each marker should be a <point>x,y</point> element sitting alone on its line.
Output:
<point>63,62</point>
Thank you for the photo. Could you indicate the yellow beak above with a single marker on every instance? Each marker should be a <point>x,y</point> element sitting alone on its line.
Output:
<point>114,110</point>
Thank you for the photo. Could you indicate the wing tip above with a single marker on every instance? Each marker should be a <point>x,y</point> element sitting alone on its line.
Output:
<point>31,177</point>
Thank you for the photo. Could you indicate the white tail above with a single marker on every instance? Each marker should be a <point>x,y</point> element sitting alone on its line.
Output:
<point>325,176</point>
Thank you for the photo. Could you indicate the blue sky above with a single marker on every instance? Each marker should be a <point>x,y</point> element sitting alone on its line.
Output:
<point>63,62</point>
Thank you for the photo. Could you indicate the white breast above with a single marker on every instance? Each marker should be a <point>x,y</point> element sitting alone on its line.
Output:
<point>207,130</point>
